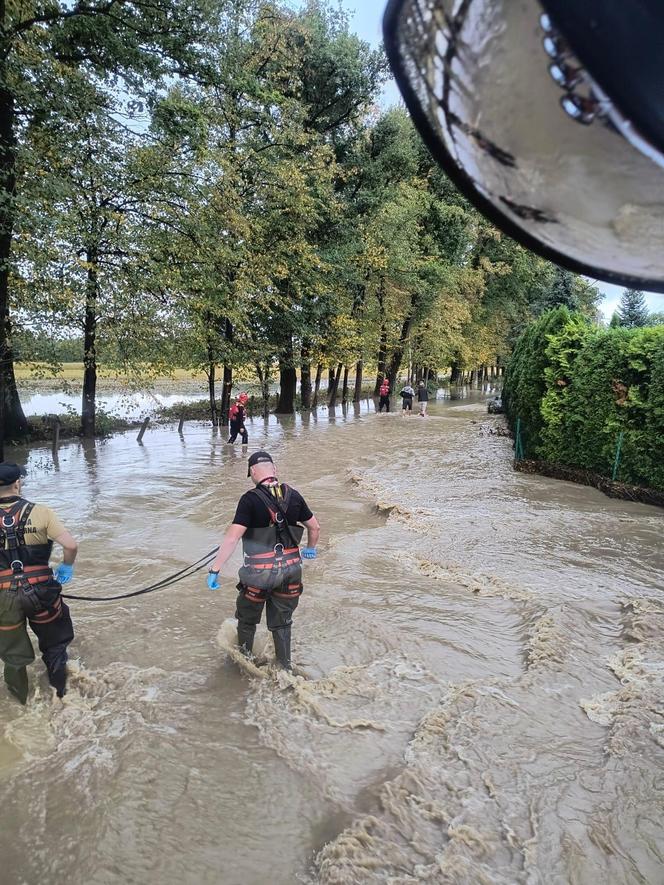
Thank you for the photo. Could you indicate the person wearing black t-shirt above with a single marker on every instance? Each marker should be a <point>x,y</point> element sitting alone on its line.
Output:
<point>423,398</point>
<point>269,520</point>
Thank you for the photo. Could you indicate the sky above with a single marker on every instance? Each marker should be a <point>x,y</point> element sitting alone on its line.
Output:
<point>366,20</point>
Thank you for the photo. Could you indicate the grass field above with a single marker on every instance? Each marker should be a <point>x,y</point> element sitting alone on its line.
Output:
<point>73,372</point>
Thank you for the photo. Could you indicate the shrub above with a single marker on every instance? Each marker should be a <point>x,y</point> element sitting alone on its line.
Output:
<point>592,384</point>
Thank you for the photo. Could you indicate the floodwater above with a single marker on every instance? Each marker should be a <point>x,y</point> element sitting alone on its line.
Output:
<point>130,405</point>
<point>480,657</point>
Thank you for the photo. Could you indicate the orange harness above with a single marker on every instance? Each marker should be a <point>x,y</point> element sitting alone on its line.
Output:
<point>16,555</point>
<point>24,568</point>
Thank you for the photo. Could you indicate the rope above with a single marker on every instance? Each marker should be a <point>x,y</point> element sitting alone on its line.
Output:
<point>186,572</point>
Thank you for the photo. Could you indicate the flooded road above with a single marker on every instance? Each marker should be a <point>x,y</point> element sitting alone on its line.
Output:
<point>484,662</point>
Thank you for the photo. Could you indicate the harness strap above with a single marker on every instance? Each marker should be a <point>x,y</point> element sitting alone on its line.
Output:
<point>270,564</point>
<point>278,516</point>
<point>13,533</point>
<point>271,554</point>
<point>30,574</point>
<point>255,594</point>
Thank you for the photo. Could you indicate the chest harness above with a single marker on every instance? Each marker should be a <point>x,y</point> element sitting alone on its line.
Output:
<point>24,567</point>
<point>272,561</point>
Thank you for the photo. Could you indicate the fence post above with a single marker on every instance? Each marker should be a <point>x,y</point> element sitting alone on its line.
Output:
<point>181,424</point>
<point>56,437</point>
<point>616,460</point>
<point>144,427</point>
<point>518,447</point>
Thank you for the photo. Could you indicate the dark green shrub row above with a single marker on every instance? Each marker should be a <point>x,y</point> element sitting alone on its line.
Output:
<point>575,387</point>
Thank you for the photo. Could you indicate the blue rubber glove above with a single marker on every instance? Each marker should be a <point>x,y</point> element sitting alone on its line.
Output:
<point>212,582</point>
<point>309,552</point>
<point>63,573</point>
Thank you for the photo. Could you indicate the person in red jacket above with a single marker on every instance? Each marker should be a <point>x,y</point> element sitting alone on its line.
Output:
<point>237,415</point>
<point>384,391</point>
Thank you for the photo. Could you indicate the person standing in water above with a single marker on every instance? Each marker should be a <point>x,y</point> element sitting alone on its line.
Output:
<point>407,395</point>
<point>267,520</point>
<point>237,415</point>
<point>423,398</point>
<point>384,391</point>
<point>29,590</point>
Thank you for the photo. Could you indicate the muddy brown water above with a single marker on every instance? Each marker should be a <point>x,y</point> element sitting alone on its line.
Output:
<point>484,663</point>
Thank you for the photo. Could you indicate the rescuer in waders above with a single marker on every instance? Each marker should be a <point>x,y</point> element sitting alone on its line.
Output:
<point>29,589</point>
<point>236,416</point>
<point>384,402</point>
<point>267,520</point>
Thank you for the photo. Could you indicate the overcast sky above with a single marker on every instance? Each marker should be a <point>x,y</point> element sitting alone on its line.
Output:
<point>366,20</point>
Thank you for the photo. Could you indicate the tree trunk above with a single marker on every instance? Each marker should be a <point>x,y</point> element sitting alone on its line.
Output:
<point>227,389</point>
<point>334,386</point>
<point>305,375</point>
<point>455,373</point>
<point>344,392</point>
<point>382,346</point>
<point>397,356</point>
<point>319,374</point>
<point>287,389</point>
<point>226,393</point>
<point>211,376</point>
<point>12,420</point>
<point>382,359</point>
<point>264,379</point>
<point>357,394</point>
<point>287,381</point>
<point>88,405</point>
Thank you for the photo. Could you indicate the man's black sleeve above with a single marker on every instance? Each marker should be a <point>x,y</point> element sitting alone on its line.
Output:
<point>305,512</point>
<point>245,512</point>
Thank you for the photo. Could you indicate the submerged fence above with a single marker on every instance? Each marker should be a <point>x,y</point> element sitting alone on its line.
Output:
<point>610,485</point>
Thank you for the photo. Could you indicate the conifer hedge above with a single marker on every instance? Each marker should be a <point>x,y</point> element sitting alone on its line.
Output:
<point>575,387</point>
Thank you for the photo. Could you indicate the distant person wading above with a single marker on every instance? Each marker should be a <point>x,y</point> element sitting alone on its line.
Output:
<point>266,520</point>
<point>237,415</point>
<point>29,590</point>
<point>384,402</point>
<point>423,398</point>
<point>407,395</point>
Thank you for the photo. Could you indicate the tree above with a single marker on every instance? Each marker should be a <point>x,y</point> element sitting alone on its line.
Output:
<point>633,311</point>
<point>47,50</point>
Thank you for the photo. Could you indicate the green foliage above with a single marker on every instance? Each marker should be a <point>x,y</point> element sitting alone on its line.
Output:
<point>260,213</point>
<point>525,378</point>
<point>576,388</point>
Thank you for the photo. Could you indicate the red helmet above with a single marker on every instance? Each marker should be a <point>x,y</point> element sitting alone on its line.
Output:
<point>243,397</point>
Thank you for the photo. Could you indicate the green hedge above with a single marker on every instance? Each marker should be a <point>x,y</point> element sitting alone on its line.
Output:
<point>576,388</point>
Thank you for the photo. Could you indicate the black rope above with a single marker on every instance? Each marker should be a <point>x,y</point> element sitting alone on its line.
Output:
<point>186,572</point>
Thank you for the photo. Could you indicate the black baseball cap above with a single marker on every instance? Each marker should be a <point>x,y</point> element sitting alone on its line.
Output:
<point>258,458</point>
<point>9,473</point>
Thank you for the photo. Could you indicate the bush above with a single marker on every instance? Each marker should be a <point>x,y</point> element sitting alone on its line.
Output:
<point>591,385</point>
<point>525,383</point>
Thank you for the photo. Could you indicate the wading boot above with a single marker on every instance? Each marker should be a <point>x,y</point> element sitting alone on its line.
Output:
<point>281,638</point>
<point>58,679</point>
<point>17,682</point>
<point>245,638</point>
